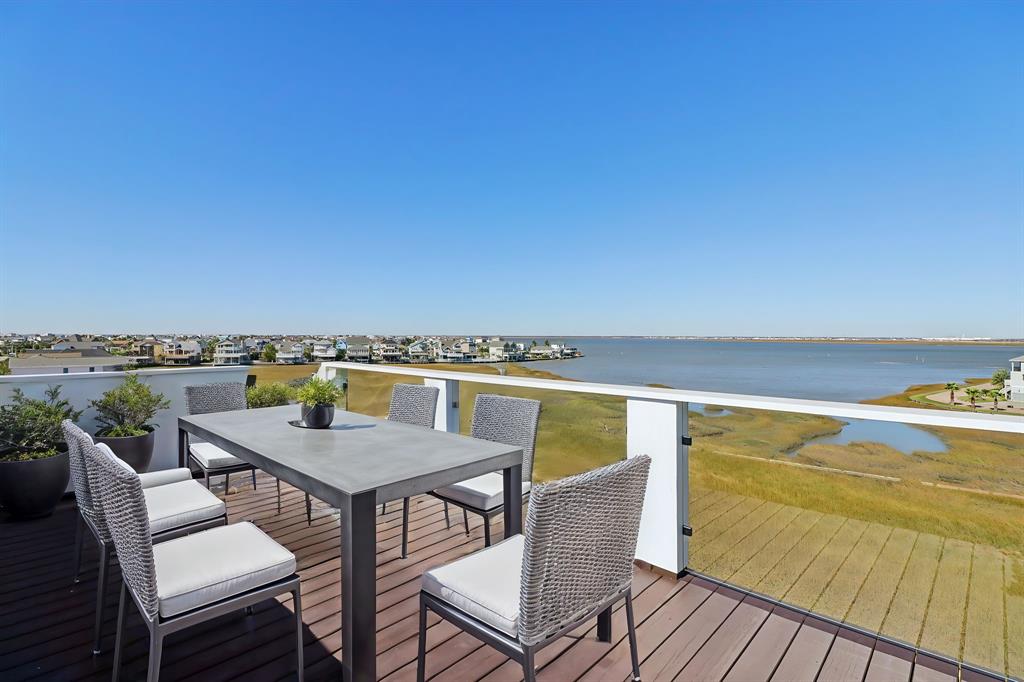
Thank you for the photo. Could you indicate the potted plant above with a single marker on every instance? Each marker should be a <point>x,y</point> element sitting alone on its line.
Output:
<point>318,397</point>
<point>34,467</point>
<point>123,413</point>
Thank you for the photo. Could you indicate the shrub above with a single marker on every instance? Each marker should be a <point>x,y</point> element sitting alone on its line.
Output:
<point>319,391</point>
<point>30,428</point>
<point>124,411</point>
<point>269,395</point>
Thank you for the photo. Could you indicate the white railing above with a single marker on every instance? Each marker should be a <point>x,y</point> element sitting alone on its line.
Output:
<point>657,425</point>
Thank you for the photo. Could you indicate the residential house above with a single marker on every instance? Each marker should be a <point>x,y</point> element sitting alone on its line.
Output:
<point>1015,384</point>
<point>79,342</point>
<point>543,352</point>
<point>291,353</point>
<point>230,352</point>
<point>359,349</point>
<point>178,352</point>
<point>388,350</point>
<point>68,362</point>
<point>324,351</point>
<point>148,351</point>
<point>424,350</point>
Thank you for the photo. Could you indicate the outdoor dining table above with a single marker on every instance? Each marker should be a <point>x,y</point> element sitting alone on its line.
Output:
<point>356,464</point>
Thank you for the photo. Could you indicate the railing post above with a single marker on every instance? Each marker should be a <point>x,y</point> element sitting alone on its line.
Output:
<point>446,416</point>
<point>659,429</point>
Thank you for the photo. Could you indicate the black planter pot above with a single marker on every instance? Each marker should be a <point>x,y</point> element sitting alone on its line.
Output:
<point>32,489</point>
<point>317,416</point>
<point>135,451</point>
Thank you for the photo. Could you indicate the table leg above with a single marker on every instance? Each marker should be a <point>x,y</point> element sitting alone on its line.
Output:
<point>359,588</point>
<point>182,447</point>
<point>512,489</point>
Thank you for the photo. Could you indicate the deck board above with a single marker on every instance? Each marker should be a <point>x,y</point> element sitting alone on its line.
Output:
<point>688,629</point>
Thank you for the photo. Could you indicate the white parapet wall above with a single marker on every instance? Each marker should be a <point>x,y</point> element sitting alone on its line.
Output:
<point>80,388</point>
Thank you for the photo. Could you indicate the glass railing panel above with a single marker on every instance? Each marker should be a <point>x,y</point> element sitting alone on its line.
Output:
<point>913,532</point>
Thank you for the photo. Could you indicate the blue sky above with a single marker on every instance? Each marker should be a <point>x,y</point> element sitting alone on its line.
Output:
<point>528,168</point>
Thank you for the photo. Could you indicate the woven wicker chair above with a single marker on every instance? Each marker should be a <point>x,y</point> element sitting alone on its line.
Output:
<point>574,562</point>
<point>207,457</point>
<point>177,505</point>
<point>499,418</point>
<point>201,576</point>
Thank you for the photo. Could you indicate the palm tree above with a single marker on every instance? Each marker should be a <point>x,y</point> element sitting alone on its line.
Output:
<point>995,394</point>
<point>974,394</point>
<point>952,387</point>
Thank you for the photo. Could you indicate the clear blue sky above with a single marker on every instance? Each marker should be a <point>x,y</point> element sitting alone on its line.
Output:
<point>528,168</point>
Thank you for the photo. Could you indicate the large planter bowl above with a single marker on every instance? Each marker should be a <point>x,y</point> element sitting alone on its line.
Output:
<point>135,451</point>
<point>317,416</point>
<point>33,488</point>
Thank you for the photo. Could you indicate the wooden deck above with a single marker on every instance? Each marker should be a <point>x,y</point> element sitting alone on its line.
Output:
<point>689,629</point>
<point>940,594</point>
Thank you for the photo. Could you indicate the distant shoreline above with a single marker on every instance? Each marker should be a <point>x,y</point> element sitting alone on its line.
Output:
<point>811,339</point>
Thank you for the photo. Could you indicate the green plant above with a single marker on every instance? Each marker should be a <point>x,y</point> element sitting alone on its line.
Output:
<point>5,366</point>
<point>995,394</point>
<point>973,394</point>
<point>269,353</point>
<point>319,391</point>
<point>269,395</point>
<point>1000,376</point>
<point>124,411</point>
<point>30,428</point>
<point>952,387</point>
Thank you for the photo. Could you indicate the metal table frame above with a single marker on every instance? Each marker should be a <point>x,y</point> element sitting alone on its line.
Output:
<point>280,454</point>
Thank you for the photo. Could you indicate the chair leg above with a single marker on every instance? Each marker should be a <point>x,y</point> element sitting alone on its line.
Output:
<point>278,495</point>
<point>421,655</point>
<point>383,508</point>
<point>465,519</point>
<point>156,646</point>
<point>529,669</point>
<point>79,533</point>
<point>119,637</point>
<point>631,625</point>
<point>405,527</point>
<point>227,485</point>
<point>447,521</point>
<point>300,666</point>
<point>101,596</point>
<point>309,511</point>
<point>206,477</point>
<point>487,531</point>
<point>254,479</point>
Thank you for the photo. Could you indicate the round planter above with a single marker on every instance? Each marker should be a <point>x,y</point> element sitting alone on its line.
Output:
<point>317,416</point>
<point>135,451</point>
<point>33,488</point>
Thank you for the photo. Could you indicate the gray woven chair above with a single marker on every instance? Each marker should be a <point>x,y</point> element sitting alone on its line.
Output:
<point>207,457</point>
<point>411,404</point>
<point>499,418</point>
<point>574,562</point>
<point>176,504</point>
<point>188,580</point>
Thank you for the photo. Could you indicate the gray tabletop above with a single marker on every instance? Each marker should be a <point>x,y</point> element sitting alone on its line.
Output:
<point>356,455</point>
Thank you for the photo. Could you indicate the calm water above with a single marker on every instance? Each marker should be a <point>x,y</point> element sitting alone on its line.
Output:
<point>822,371</point>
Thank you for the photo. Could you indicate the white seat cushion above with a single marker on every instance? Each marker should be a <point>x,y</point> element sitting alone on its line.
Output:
<point>484,585</point>
<point>179,504</point>
<point>483,492</point>
<point>212,457</point>
<point>151,479</point>
<point>210,566</point>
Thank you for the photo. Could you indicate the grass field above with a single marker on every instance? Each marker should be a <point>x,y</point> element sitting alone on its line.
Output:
<point>915,561</point>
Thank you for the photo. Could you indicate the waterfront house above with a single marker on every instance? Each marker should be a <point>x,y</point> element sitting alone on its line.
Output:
<point>542,353</point>
<point>359,348</point>
<point>387,350</point>
<point>1015,384</point>
<point>291,353</point>
<point>79,342</point>
<point>230,352</point>
<point>182,352</point>
<point>148,351</point>
<point>324,351</point>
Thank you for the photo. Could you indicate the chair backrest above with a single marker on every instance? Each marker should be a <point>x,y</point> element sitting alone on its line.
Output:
<point>413,404</point>
<point>119,492</point>
<point>580,541</point>
<point>222,397</point>
<point>512,421</point>
<point>77,440</point>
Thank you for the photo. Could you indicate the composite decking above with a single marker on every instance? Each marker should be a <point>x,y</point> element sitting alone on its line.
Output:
<point>689,629</point>
<point>941,594</point>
